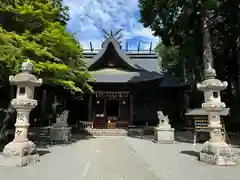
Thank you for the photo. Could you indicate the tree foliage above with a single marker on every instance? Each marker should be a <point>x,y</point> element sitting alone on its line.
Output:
<point>179,24</point>
<point>36,30</point>
<point>169,54</point>
<point>170,60</point>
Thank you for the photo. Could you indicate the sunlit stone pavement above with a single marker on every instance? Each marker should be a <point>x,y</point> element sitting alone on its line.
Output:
<point>120,158</point>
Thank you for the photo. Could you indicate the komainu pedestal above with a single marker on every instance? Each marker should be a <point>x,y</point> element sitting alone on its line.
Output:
<point>61,131</point>
<point>21,151</point>
<point>164,133</point>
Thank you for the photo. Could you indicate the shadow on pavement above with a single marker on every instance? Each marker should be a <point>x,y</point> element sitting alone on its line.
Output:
<point>1,147</point>
<point>191,153</point>
<point>41,137</point>
<point>184,136</point>
<point>180,136</point>
<point>46,143</point>
<point>234,139</point>
<point>43,152</point>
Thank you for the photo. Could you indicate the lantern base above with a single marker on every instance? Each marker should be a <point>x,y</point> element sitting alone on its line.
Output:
<point>18,154</point>
<point>19,148</point>
<point>217,153</point>
<point>18,161</point>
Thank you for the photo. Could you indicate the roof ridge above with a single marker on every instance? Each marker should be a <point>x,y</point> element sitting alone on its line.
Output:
<point>116,46</point>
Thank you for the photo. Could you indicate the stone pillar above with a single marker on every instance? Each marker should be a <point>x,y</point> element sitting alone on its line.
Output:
<point>215,151</point>
<point>21,147</point>
<point>164,133</point>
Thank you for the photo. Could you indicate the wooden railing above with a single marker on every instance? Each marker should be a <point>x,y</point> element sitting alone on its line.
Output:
<point>85,124</point>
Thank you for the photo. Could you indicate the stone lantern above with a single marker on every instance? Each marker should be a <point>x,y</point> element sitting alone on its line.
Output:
<point>216,150</point>
<point>21,147</point>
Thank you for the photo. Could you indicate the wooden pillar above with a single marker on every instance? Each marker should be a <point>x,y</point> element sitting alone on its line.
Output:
<point>12,92</point>
<point>119,109</point>
<point>104,110</point>
<point>43,104</point>
<point>131,109</point>
<point>54,107</point>
<point>158,99</point>
<point>90,108</point>
<point>187,100</point>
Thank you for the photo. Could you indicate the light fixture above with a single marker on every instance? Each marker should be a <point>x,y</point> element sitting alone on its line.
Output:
<point>110,64</point>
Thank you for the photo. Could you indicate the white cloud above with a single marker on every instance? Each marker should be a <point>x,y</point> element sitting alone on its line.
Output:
<point>89,17</point>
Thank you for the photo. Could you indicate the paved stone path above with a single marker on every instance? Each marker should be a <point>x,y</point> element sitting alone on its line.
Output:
<point>179,161</point>
<point>93,159</point>
<point>120,159</point>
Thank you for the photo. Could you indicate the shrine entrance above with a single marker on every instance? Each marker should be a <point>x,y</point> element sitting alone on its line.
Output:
<point>112,112</point>
<point>111,109</point>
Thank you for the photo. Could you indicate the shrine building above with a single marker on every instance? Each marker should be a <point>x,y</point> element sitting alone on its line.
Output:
<point>126,90</point>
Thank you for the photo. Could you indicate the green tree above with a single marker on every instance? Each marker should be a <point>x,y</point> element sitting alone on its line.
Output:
<point>35,30</point>
<point>179,24</point>
<point>169,54</point>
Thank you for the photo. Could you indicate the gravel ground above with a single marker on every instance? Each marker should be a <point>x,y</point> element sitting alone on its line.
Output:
<point>120,159</point>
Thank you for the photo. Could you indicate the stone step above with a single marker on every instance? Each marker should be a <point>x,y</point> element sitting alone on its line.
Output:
<point>107,132</point>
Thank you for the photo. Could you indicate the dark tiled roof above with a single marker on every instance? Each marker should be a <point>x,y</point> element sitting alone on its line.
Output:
<point>145,66</point>
<point>112,43</point>
<point>111,75</point>
<point>147,61</point>
<point>172,81</point>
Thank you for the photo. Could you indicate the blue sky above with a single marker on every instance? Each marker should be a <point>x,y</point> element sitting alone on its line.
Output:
<point>88,17</point>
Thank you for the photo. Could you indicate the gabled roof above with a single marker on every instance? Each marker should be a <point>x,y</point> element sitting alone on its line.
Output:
<point>106,45</point>
<point>137,67</point>
<point>138,60</point>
